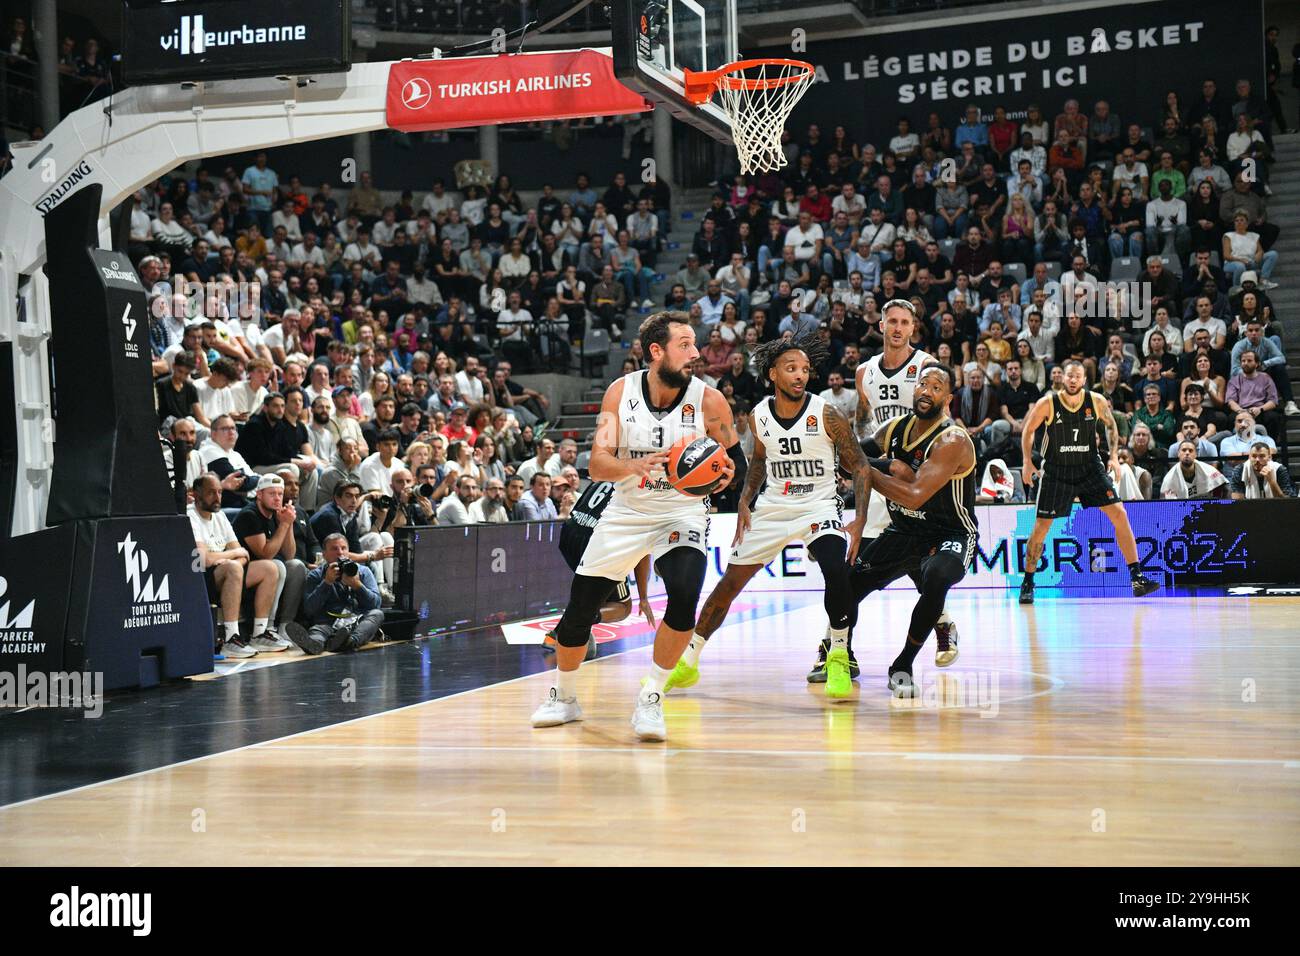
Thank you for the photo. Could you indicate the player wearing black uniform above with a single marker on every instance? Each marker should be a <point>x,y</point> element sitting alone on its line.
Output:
<point>1071,468</point>
<point>574,536</point>
<point>932,532</point>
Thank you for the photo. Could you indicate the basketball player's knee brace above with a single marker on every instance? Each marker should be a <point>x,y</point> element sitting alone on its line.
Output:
<point>682,570</point>
<point>829,552</point>
<point>585,598</point>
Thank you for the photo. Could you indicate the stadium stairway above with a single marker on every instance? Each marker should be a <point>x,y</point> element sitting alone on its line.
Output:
<point>1284,211</point>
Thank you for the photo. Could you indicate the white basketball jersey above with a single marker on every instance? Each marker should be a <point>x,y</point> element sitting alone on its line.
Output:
<point>644,431</point>
<point>800,455</point>
<point>889,391</point>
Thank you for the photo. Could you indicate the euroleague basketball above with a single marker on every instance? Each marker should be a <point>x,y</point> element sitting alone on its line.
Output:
<point>695,466</point>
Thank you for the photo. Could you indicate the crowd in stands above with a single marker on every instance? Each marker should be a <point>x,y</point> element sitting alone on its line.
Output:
<point>342,365</point>
<point>1141,246</point>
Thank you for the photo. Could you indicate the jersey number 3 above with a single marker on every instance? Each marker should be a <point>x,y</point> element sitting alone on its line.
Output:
<point>657,436</point>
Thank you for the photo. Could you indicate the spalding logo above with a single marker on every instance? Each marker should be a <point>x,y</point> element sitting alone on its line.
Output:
<point>694,452</point>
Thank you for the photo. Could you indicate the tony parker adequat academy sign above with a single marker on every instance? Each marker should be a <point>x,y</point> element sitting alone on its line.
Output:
<point>1128,54</point>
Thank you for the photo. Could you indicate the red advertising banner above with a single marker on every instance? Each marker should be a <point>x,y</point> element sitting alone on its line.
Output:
<point>484,90</point>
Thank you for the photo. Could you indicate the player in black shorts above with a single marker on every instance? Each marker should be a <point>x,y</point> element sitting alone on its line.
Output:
<point>1072,468</point>
<point>932,531</point>
<point>573,544</point>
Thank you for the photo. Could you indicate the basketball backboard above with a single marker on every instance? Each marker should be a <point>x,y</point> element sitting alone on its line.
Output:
<point>654,41</point>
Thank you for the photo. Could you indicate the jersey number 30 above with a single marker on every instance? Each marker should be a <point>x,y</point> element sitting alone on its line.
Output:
<point>791,446</point>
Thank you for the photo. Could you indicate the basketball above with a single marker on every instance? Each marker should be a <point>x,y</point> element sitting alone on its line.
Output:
<point>695,466</point>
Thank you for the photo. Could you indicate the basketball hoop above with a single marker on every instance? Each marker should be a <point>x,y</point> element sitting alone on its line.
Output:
<point>757,96</point>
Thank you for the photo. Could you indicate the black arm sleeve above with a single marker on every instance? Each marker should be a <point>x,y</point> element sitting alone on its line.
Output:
<point>742,466</point>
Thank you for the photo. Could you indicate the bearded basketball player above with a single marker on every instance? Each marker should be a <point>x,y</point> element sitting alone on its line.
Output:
<point>644,414</point>
<point>931,498</point>
<point>886,384</point>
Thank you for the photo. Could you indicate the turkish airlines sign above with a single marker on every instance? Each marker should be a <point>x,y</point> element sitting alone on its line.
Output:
<point>485,90</point>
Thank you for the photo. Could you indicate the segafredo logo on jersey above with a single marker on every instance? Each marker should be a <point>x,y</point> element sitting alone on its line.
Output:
<point>150,604</point>
<point>64,188</point>
<point>193,38</point>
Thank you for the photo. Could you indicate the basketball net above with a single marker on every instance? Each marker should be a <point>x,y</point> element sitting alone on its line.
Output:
<point>758,97</point>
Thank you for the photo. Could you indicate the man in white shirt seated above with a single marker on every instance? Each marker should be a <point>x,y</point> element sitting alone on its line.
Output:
<point>512,321</point>
<point>229,570</point>
<point>455,507</point>
<point>215,394</point>
<point>491,507</point>
<point>469,381</point>
<point>545,461</point>
<point>247,396</point>
<point>306,251</point>
<point>440,200</point>
<point>807,240</point>
<point>286,218</point>
<point>218,455</point>
<point>377,470</point>
<point>844,399</point>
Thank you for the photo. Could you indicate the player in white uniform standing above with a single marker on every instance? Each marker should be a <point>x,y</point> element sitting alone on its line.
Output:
<point>886,383</point>
<point>797,438</point>
<point>642,415</point>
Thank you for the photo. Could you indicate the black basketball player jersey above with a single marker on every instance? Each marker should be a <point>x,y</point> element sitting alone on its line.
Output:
<point>1069,442</point>
<point>951,508</point>
<point>582,521</point>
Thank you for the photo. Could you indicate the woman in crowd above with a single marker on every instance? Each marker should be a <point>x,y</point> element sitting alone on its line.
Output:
<point>485,454</point>
<point>380,387</point>
<point>913,230</point>
<point>1018,230</point>
<point>984,362</point>
<point>1158,347</point>
<point>945,357</point>
<point>730,327</point>
<point>843,144</point>
<point>1031,369</point>
<point>1203,218</point>
<point>1214,386</point>
<point>1077,341</point>
<point>1117,391</point>
<point>1128,219</point>
<point>568,230</point>
<point>1242,250</point>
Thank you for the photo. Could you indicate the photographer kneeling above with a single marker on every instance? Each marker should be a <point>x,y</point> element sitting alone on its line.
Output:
<point>382,514</point>
<point>342,602</point>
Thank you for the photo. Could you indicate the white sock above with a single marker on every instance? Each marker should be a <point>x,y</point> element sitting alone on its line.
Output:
<point>692,653</point>
<point>944,618</point>
<point>655,682</point>
<point>566,684</point>
<point>839,638</point>
<point>259,626</point>
<point>232,629</point>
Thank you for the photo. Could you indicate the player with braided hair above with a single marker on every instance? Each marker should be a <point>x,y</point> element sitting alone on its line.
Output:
<point>798,437</point>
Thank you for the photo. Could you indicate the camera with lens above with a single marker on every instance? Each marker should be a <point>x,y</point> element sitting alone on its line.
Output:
<point>347,567</point>
<point>384,503</point>
<point>425,490</point>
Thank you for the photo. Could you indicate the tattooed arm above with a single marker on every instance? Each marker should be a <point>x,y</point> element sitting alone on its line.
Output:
<point>852,460</point>
<point>753,481</point>
<point>953,454</point>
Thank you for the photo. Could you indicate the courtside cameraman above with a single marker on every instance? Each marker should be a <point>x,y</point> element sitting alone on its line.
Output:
<point>342,602</point>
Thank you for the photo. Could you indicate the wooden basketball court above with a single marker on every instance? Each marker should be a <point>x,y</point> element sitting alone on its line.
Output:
<point>1094,730</point>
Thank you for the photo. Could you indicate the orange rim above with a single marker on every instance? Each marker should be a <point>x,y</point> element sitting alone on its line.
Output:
<point>701,86</point>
